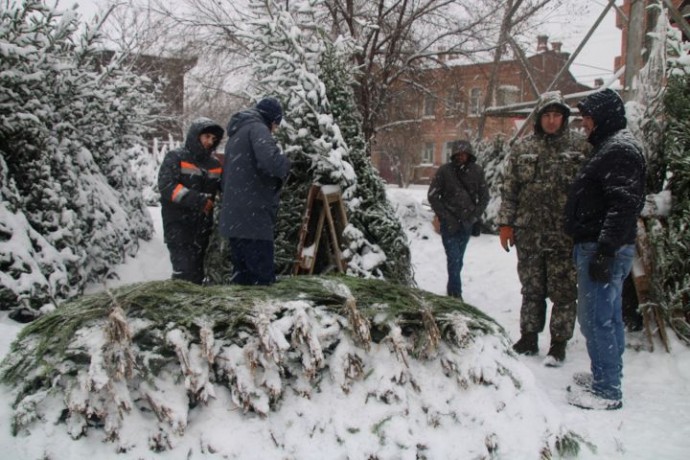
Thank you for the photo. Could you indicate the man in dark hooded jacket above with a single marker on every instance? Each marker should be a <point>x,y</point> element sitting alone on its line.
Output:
<point>538,172</point>
<point>601,214</point>
<point>458,195</point>
<point>253,174</point>
<point>188,181</point>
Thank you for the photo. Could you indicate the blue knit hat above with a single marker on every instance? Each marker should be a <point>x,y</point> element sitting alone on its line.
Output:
<point>270,110</point>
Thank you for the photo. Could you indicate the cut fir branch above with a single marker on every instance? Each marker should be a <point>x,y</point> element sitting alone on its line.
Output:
<point>161,349</point>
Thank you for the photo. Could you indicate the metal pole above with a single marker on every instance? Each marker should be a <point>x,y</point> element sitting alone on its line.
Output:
<point>566,66</point>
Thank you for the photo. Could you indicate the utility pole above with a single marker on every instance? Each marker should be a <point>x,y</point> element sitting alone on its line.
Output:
<point>633,53</point>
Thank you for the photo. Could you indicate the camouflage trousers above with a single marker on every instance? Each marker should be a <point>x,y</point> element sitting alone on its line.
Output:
<point>546,270</point>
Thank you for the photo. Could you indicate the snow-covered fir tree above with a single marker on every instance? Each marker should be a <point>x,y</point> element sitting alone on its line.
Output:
<point>296,62</point>
<point>658,116</point>
<point>672,243</point>
<point>71,206</point>
<point>491,154</point>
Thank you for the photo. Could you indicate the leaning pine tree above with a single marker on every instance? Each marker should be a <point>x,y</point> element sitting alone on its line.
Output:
<point>295,61</point>
<point>672,241</point>
<point>658,116</point>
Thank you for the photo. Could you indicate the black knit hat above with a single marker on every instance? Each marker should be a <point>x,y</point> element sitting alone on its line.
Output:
<point>270,110</point>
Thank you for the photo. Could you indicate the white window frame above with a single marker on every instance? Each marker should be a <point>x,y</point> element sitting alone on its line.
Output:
<point>447,151</point>
<point>427,153</point>
<point>507,95</point>
<point>474,108</point>
<point>429,106</point>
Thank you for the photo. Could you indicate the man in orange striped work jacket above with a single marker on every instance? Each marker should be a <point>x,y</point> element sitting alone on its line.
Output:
<point>188,181</point>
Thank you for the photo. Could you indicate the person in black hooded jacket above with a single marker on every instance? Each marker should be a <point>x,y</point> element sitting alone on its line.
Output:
<point>458,194</point>
<point>601,214</point>
<point>188,181</point>
<point>254,172</point>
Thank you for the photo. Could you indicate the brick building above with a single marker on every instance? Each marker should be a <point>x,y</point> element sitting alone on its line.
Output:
<point>438,105</point>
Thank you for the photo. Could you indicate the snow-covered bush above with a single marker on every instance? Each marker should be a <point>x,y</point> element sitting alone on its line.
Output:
<point>145,164</point>
<point>72,208</point>
<point>491,154</point>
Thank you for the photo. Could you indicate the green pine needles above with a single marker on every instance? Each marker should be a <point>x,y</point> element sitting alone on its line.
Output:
<point>139,365</point>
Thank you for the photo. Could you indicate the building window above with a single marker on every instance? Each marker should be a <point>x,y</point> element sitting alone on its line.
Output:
<point>447,151</point>
<point>454,104</point>
<point>507,95</point>
<point>475,105</point>
<point>429,105</point>
<point>428,153</point>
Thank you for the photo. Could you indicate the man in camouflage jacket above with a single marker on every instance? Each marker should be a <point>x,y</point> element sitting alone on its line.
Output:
<point>538,172</point>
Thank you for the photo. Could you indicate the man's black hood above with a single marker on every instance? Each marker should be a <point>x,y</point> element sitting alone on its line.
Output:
<point>462,146</point>
<point>608,112</point>
<point>198,126</point>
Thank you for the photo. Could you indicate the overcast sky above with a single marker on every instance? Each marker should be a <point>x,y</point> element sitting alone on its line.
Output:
<point>594,61</point>
<point>596,58</point>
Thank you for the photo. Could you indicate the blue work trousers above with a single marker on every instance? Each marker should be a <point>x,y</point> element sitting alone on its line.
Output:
<point>252,261</point>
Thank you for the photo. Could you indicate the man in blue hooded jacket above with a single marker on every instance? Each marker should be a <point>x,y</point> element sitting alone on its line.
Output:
<point>254,172</point>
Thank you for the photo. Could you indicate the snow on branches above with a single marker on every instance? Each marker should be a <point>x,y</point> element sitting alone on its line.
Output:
<point>373,368</point>
<point>295,60</point>
<point>70,122</point>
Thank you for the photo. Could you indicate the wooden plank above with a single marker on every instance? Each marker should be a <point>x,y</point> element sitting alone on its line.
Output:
<point>652,314</point>
<point>324,206</point>
<point>300,261</point>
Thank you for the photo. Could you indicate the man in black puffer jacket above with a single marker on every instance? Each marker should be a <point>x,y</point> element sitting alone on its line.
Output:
<point>188,181</point>
<point>601,214</point>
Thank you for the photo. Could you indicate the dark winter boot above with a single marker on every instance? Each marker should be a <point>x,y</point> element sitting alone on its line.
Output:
<point>528,344</point>
<point>556,354</point>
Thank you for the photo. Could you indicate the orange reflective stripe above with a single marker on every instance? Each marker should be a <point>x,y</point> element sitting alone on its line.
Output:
<point>189,168</point>
<point>179,192</point>
<point>215,172</point>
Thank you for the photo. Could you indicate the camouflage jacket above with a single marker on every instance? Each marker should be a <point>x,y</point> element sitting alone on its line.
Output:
<point>537,176</point>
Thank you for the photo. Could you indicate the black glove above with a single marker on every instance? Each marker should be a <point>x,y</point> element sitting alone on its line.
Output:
<point>600,268</point>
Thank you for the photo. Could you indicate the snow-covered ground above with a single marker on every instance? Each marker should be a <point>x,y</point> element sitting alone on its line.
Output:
<point>653,424</point>
<point>655,420</point>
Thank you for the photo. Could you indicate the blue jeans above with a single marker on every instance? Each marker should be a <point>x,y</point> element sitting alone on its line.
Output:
<point>455,245</point>
<point>600,314</point>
